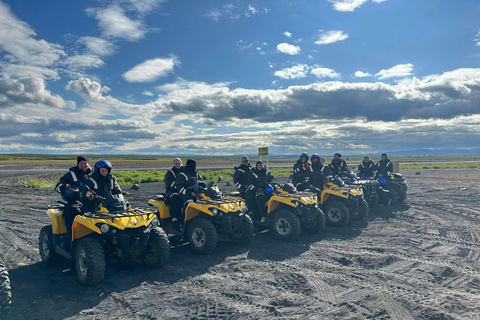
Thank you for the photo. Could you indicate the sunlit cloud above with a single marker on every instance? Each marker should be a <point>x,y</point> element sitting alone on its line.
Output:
<point>150,70</point>
<point>401,70</point>
<point>288,48</point>
<point>328,37</point>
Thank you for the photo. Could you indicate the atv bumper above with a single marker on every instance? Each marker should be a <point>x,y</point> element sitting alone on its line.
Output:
<point>131,242</point>
<point>230,222</point>
<point>307,214</point>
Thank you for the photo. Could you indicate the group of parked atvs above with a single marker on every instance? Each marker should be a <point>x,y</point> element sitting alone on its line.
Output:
<point>127,233</point>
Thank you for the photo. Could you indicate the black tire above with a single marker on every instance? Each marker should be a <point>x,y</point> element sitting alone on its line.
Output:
<point>336,213</point>
<point>157,251</point>
<point>5,292</point>
<point>246,234</point>
<point>393,195</point>
<point>401,194</point>
<point>317,224</point>
<point>285,225</point>
<point>202,236</point>
<point>362,212</point>
<point>374,201</point>
<point>46,246</point>
<point>89,261</point>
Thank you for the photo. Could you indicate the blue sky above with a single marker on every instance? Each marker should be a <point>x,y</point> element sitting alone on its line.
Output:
<point>220,77</point>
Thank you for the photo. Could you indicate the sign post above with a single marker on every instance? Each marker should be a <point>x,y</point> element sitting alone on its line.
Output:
<point>263,151</point>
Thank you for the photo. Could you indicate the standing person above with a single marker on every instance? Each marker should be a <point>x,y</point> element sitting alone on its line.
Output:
<point>186,182</point>
<point>318,174</point>
<point>175,203</point>
<point>240,177</point>
<point>338,165</point>
<point>103,184</point>
<point>366,168</point>
<point>301,173</point>
<point>68,187</point>
<point>260,190</point>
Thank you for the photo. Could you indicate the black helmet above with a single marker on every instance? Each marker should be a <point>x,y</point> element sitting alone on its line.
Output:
<point>289,187</point>
<point>213,193</point>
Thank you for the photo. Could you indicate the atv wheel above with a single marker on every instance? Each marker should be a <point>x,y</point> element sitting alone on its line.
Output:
<point>362,211</point>
<point>246,234</point>
<point>5,292</point>
<point>374,201</point>
<point>336,214</point>
<point>393,195</point>
<point>401,195</point>
<point>285,225</point>
<point>157,252</point>
<point>46,247</point>
<point>317,224</point>
<point>202,236</point>
<point>89,261</point>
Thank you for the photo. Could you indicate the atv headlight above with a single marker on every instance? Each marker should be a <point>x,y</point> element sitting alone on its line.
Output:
<point>154,222</point>
<point>104,228</point>
<point>244,208</point>
<point>214,211</point>
<point>297,204</point>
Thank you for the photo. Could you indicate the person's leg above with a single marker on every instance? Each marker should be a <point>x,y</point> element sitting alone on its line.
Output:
<point>261,209</point>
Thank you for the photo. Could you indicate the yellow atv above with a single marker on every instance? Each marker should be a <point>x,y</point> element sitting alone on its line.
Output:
<point>103,234</point>
<point>289,211</point>
<point>5,291</point>
<point>211,215</point>
<point>342,202</point>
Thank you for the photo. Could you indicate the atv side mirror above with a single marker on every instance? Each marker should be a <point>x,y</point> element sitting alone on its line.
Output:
<point>134,187</point>
<point>219,179</point>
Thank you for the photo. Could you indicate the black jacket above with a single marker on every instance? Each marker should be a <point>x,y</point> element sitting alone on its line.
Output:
<point>75,177</point>
<point>318,173</point>
<point>102,186</point>
<point>338,167</point>
<point>300,172</point>
<point>385,167</point>
<point>240,177</point>
<point>185,182</point>
<point>259,180</point>
<point>368,168</point>
<point>170,178</point>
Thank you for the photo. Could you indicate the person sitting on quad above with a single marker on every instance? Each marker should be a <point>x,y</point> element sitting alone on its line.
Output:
<point>68,187</point>
<point>338,165</point>
<point>367,168</point>
<point>260,189</point>
<point>240,177</point>
<point>384,168</point>
<point>301,173</point>
<point>318,174</point>
<point>175,202</point>
<point>187,182</point>
<point>102,183</point>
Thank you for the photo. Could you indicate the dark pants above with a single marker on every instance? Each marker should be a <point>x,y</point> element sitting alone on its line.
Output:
<point>70,211</point>
<point>176,206</point>
<point>256,203</point>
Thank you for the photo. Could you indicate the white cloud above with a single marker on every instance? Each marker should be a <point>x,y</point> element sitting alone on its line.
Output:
<point>379,1</point>
<point>361,74</point>
<point>114,23</point>
<point>331,36</point>
<point>16,38</point>
<point>325,73</point>
<point>347,5</point>
<point>24,71</point>
<point>82,62</point>
<point>213,14</point>
<point>401,70</point>
<point>150,70</point>
<point>147,93</point>
<point>145,6</point>
<point>98,46</point>
<point>288,48</point>
<point>234,11</point>
<point>287,34</point>
<point>295,72</point>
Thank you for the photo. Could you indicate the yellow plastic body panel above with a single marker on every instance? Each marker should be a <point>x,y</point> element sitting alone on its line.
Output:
<point>331,189</point>
<point>58,221</point>
<point>163,209</point>
<point>276,199</point>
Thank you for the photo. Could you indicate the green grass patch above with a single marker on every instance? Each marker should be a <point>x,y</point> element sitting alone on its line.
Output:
<point>36,183</point>
<point>447,165</point>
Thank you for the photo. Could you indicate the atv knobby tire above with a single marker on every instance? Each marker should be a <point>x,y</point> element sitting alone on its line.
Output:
<point>374,201</point>
<point>317,225</point>
<point>393,195</point>
<point>362,212</point>
<point>5,292</point>
<point>157,251</point>
<point>336,213</point>
<point>46,246</point>
<point>246,234</point>
<point>202,236</point>
<point>285,225</point>
<point>89,261</point>
<point>401,195</point>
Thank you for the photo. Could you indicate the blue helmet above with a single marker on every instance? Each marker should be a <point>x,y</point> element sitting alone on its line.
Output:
<point>268,190</point>
<point>304,155</point>
<point>315,156</point>
<point>382,181</point>
<point>102,164</point>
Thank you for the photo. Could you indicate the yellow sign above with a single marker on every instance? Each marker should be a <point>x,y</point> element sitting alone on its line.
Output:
<point>263,151</point>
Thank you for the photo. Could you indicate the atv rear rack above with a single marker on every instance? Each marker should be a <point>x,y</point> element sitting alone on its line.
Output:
<point>221,201</point>
<point>116,215</point>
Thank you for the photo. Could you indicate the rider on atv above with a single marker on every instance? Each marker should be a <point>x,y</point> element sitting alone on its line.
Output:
<point>300,173</point>
<point>240,177</point>
<point>367,168</point>
<point>188,180</point>
<point>338,165</point>
<point>318,174</point>
<point>170,189</point>
<point>260,189</point>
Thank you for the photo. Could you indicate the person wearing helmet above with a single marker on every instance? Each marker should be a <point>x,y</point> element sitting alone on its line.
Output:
<point>301,173</point>
<point>367,168</point>
<point>338,165</point>
<point>318,174</point>
<point>171,190</point>
<point>240,177</point>
<point>187,181</point>
<point>259,190</point>
<point>68,187</point>
<point>101,182</point>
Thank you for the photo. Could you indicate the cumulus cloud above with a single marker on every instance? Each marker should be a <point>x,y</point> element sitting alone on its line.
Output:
<point>361,74</point>
<point>295,72</point>
<point>82,61</point>
<point>17,39</point>
<point>325,73</point>
<point>347,5</point>
<point>287,34</point>
<point>97,46</point>
<point>25,71</point>
<point>400,70</point>
<point>288,48</point>
<point>114,23</point>
<point>327,37</point>
<point>150,70</point>
<point>145,6</point>
<point>235,11</point>
<point>90,90</point>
